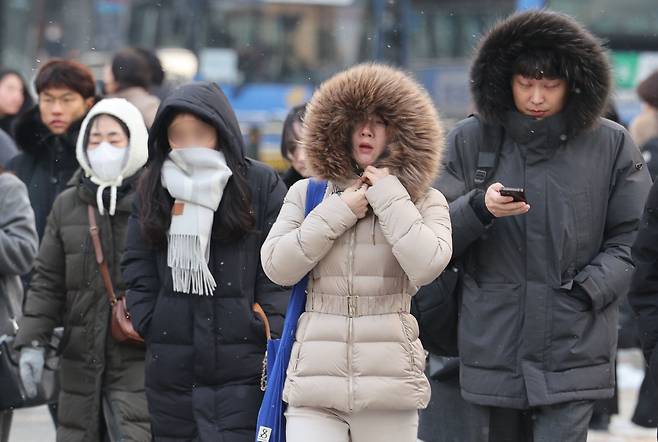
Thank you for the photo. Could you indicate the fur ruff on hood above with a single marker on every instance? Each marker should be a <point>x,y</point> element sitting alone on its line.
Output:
<point>31,133</point>
<point>582,56</point>
<point>416,136</point>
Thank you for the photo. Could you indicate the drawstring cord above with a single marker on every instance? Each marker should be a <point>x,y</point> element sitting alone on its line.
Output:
<point>113,195</point>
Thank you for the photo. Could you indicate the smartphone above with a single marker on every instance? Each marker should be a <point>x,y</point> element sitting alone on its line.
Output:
<point>517,193</point>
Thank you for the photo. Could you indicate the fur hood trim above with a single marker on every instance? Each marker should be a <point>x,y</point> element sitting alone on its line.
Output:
<point>415,133</point>
<point>582,56</point>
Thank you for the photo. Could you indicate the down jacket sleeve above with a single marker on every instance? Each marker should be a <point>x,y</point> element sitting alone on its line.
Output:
<point>609,274</point>
<point>643,295</point>
<point>296,244</point>
<point>140,274</point>
<point>18,236</point>
<point>47,294</point>
<point>420,237</point>
<point>272,297</point>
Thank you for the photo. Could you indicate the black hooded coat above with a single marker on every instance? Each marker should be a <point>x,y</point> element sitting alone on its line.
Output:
<point>205,353</point>
<point>46,162</point>
<point>538,322</point>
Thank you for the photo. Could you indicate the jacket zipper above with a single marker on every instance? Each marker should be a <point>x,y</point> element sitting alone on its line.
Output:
<point>350,320</point>
<point>374,222</point>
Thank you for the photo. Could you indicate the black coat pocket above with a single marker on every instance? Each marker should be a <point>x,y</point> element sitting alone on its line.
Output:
<point>489,324</point>
<point>580,337</point>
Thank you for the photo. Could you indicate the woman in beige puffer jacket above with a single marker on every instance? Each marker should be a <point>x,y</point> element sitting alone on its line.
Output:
<point>357,367</point>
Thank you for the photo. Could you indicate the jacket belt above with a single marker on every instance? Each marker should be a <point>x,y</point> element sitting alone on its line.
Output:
<point>356,305</point>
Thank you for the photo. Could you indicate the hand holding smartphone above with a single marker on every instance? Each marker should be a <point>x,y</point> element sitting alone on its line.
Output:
<point>496,200</point>
<point>518,193</point>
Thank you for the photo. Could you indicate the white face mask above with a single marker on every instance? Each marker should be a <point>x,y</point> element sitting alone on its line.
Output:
<point>107,161</point>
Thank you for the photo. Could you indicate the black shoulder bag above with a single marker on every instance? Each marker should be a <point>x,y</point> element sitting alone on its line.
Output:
<point>12,393</point>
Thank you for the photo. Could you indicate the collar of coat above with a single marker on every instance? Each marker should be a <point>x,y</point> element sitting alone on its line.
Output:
<point>86,191</point>
<point>32,133</point>
<point>581,54</point>
<point>524,129</point>
<point>416,135</point>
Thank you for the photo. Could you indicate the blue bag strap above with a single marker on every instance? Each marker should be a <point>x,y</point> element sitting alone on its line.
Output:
<point>271,423</point>
<point>314,194</point>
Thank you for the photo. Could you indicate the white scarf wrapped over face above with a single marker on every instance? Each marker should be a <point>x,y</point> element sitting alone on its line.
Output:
<point>196,178</point>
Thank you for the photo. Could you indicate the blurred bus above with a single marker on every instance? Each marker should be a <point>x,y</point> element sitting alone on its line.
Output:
<point>268,55</point>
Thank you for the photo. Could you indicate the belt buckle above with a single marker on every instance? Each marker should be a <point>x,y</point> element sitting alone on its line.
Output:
<point>352,309</point>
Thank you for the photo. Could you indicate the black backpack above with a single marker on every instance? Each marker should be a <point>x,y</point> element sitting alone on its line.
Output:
<point>436,305</point>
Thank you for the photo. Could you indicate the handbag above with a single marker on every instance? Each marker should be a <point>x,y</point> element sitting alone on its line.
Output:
<point>12,392</point>
<point>271,425</point>
<point>121,326</point>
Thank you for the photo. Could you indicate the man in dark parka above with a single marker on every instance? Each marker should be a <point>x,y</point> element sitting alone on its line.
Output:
<point>46,134</point>
<point>538,324</point>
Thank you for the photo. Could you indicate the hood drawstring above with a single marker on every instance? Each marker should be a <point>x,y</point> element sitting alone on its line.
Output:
<point>134,158</point>
<point>113,195</point>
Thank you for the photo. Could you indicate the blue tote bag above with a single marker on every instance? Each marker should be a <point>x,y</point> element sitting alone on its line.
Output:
<point>271,425</point>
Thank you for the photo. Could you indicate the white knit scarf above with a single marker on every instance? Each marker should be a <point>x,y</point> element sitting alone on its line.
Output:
<point>196,177</point>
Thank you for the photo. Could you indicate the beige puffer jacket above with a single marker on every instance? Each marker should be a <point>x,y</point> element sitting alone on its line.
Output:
<point>357,345</point>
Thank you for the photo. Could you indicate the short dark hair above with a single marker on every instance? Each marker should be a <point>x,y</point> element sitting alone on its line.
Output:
<point>647,90</point>
<point>540,63</point>
<point>66,74</point>
<point>131,69</point>
<point>288,141</point>
<point>155,65</point>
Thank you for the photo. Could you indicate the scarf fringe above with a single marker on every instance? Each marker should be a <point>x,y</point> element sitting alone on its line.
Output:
<point>189,270</point>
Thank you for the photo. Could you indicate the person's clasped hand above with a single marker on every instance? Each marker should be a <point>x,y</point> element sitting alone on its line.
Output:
<point>355,198</point>
<point>373,174</point>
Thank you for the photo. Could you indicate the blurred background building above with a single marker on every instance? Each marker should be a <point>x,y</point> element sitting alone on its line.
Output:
<point>268,55</point>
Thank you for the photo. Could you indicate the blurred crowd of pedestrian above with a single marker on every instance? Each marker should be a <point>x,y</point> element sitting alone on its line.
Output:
<point>132,218</point>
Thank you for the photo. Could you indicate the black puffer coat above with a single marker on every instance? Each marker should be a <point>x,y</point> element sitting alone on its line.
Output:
<point>67,289</point>
<point>204,353</point>
<point>643,296</point>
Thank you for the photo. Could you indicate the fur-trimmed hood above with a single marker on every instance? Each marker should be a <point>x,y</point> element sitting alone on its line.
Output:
<point>582,56</point>
<point>414,150</point>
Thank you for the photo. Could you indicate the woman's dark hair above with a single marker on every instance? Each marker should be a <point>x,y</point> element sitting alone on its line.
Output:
<point>131,69</point>
<point>647,90</point>
<point>288,140</point>
<point>540,63</point>
<point>234,217</point>
<point>27,98</point>
<point>155,66</point>
<point>90,124</point>
<point>66,74</point>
